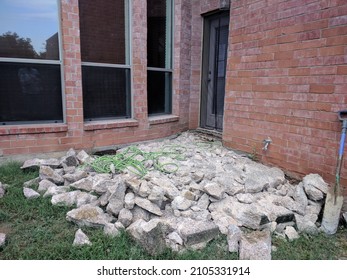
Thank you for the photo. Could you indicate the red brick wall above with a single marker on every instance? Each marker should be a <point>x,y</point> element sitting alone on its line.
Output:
<point>44,138</point>
<point>286,79</point>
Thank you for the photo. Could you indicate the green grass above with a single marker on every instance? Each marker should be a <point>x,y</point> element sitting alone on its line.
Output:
<point>36,230</point>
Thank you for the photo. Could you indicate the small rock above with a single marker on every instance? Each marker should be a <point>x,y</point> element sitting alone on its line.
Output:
<point>116,200</point>
<point>133,184</point>
<point>144,189</point>
<point>151,235</point>
<point>32,163</point>
<point>53,190</point>
<point>170,190</point>
<point>291,233</point>
<point>214,190</point>
<point>195,232</point>
<point>88,215</point>
<point>344,215</point>
<point>233,238</point>
<point>188,195</point>
<point>85,184</point>
<point>149,206</point>
<point>181,203</point>
<point>65,199</point>
<point>2,239</point>
<point>48,173</point>
<point>81,239</point>
<point>70,158</point>
<point>76,176</point>
<point>129,201</point>
<point>84,158</point>
<point>316,181</point>
<point>140,214</point>
<point>245,198</point>
<point>197,176</point>
<point>157,195</point>
<point>313,193</point>
<point>125,217</point>
<point>203,202</point>
<point>300,197</point>
<point>111,230</point>
<point>255,245</point>
<point>33,182</point>
<point>174,237</point>
<point>44,185</point>
<point>30,193</point>
<point>2,191</point>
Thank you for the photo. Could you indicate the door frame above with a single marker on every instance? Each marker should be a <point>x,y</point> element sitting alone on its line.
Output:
<point>206,60</point>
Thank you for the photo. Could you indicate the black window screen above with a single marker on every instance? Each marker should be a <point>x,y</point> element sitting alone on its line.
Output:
<point>159,92</point>
<point>159,56</point>
<point>106,92</point>
<point>30,92</point>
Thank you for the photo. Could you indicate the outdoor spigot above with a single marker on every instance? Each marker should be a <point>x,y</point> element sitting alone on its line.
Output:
<point>266,143</point>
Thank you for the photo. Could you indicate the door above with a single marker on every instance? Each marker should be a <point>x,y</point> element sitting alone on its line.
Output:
<point>215,47</point>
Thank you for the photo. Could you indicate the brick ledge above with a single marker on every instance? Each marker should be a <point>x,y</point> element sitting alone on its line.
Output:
<point>33,129</point>
<point>162,119</point>
<point>107,124</point>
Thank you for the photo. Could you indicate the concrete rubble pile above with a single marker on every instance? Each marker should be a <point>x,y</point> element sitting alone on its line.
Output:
<point>214,191</point>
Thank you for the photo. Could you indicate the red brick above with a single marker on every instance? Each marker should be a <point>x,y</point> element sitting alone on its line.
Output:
<point>317,88</point>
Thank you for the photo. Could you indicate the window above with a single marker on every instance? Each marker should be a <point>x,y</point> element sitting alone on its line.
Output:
<point>30,67</point>
<point>104,30</point>
<point>159,56</point>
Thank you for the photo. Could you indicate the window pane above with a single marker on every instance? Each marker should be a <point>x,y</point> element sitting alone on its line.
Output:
<point>159,33</point>
<point>106,92</point>
<point>159,92</point>
<point>30,92</point>
<point>102,29</point>
<point>29,29</point>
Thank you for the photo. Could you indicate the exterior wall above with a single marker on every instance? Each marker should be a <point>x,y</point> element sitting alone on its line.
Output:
<point>45,138</point>
<point>286,80</point>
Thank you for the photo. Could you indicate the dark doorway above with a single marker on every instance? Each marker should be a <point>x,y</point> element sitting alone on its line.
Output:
<point>216,31</point>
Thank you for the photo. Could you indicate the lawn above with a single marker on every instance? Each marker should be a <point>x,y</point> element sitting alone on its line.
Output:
<point>36,230</point>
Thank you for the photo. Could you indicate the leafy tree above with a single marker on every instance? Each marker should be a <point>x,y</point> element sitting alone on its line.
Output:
<point>11,45</point>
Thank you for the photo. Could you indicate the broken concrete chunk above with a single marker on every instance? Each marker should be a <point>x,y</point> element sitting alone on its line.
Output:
<point>313,193</point>
<point>30,193</point>
<point>111,230</point>
<point>88,215</point>
<point>116,200</point>
<point>315,181</point>
<point>181,203</point>
<point>140,214</point>
<point>33,182</point>
<point>174,237</point>
<point>129,201</point>
<point>44,185</point>
<point>53,190</point>
<point>245,198</point>
<point>203,202</point>
<point>233,238</point>
<point>148,206</point>
<point>291,233</point>
<point>70,159</point>
<point>32,163</point>
<point>344,215</point>
<point>151,235</point>
<point>2,190</point>
<point>144,189</point>
<point>85,184</point>
<point>255,245</point>
<point>84,158</point>
<point>125,217</point>
<point>2,239</point>
<point>50,174</point>
<point>81,238</point>
<point>65,199</point>
<point>76,176</point>
<point>215,190</point>
<point>195,232</point>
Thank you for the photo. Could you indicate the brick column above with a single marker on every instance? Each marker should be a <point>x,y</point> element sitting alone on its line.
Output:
<point>139,61</point>
<point>72,72</point>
